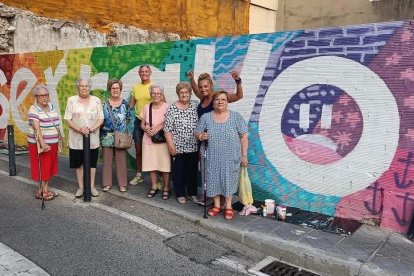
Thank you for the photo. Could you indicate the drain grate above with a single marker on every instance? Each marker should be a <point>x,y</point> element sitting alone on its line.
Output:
<point>276,268</point>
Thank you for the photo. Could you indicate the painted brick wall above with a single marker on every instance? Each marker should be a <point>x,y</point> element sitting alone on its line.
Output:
<point>330,111</point>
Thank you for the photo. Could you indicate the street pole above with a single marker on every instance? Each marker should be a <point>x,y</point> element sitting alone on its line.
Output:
<point>11,149</point>
<point>87,168</point>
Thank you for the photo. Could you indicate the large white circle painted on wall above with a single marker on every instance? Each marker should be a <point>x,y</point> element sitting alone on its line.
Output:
<point>377,138</point>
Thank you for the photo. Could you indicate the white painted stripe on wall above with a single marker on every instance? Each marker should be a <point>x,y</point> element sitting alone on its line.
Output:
<point>304,116</point>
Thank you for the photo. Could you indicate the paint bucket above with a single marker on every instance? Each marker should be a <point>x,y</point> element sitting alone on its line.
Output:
<point>281,212</point>
<point>270,205</point>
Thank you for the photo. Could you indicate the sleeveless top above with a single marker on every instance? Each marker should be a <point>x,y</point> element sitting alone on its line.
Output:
<point>202,110</point>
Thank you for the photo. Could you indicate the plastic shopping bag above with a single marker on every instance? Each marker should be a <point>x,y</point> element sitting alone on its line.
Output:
<point>245,188</point>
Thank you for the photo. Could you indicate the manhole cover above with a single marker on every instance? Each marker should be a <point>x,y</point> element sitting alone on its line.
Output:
<point>196,247</point>
<point>276,268</point>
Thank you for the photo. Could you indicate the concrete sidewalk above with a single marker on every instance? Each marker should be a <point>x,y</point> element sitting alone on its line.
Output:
<point>12,263</point>
<point>368,251</point>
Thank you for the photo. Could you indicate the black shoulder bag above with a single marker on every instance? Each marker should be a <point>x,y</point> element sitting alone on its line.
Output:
<point>159,137</point>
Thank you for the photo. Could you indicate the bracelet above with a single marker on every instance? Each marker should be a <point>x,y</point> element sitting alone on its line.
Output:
<point>238,81</point>
<point>244,155</point>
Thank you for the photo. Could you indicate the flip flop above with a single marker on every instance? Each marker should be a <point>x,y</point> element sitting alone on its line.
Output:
<point>165,195</point>
<point>152,193</point>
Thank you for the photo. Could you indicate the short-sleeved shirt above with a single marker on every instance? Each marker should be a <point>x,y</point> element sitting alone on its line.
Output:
<point>142,96</point>
<point>121,115</point>
<point>48,122</point>
<point>83,116</point>
<point>181,124</point>
<point>158,119</point>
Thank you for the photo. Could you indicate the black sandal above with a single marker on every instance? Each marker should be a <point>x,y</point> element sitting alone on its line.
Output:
<point>152,193</point>
<point>165,195</point>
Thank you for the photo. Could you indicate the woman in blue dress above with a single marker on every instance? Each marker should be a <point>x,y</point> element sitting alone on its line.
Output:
<point>121,116</point>
<point>225,131</point>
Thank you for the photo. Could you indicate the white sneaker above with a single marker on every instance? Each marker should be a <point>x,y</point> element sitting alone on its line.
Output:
<point>137,179</point>
<point>79,192</point>
<point>94,192</point>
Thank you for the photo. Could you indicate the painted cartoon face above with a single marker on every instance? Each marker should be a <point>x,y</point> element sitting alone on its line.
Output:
<point>316,120</point>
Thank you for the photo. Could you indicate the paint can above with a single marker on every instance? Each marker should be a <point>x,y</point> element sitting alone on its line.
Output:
<point>281,212</point>
<point>270,205</point>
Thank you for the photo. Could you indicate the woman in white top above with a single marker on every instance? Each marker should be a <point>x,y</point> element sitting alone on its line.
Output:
<point>83,115</point>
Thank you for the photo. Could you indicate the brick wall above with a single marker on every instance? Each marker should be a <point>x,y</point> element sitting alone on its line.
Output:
<point>330,111</point>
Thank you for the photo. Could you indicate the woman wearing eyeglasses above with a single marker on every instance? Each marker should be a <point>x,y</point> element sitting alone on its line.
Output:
<point>116,113</point>
<point>155,157</point>
<point>43,125</point>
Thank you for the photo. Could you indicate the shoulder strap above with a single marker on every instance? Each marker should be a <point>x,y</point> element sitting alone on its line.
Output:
<point>150,114</point>
<point>56,126</point>
<point>110,113</point>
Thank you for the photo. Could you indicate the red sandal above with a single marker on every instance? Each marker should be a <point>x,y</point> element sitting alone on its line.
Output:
<point>228,214</point>
<point>46,195</point>
<point>214,211</point>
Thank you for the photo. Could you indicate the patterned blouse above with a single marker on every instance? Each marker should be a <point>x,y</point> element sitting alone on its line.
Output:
<point>49,123</point>
<point>121,116</point>
<point>82,115</point>
<point>181,124</point>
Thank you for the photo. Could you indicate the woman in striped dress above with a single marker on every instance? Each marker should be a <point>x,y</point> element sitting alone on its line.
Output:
<point>44,124</point>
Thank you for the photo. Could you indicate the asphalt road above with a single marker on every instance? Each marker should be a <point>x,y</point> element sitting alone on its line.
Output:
<point>111,236</point>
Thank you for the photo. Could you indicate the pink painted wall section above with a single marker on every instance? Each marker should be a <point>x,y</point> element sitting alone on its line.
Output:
<point>330,111</point>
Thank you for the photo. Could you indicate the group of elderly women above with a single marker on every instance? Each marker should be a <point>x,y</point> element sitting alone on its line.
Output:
<point>192,130</point>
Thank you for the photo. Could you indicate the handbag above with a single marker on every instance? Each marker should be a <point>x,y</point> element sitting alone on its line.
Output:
<point>245,188</point>
<point>121,140</point>
<point>159,137</point>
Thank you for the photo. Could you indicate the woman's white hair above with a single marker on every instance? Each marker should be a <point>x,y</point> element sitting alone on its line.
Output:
<point>154,86</point>
<point>38,88</point>
<point>84,79</point>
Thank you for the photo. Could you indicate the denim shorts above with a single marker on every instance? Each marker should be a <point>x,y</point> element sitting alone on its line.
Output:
<point>138,131</point>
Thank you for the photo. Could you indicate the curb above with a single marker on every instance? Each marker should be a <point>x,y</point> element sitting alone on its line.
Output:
<point>291,252</point>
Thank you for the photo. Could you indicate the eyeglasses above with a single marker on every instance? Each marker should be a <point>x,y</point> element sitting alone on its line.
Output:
<point>115,88</point>
<point>43,96</point>
<point>184,93</point>
<point>156,94</point>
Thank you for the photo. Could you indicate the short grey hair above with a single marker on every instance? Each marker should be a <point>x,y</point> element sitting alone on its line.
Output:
<point>153,86</point>
<point>38,88</point>
<point>144,66</point>
<point>84,79</point>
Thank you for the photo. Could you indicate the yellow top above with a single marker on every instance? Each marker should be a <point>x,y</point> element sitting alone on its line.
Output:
<point>142,96</point>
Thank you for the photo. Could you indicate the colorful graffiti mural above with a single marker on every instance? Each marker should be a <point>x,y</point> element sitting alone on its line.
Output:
<point>330,111</point>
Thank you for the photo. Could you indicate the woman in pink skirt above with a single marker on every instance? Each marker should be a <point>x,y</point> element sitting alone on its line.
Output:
<point>155,157</point>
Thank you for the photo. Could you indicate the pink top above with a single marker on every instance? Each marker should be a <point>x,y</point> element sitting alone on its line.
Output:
<point>158,119</point>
